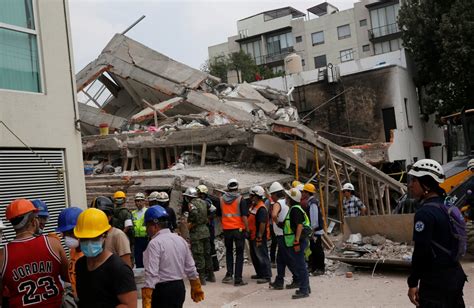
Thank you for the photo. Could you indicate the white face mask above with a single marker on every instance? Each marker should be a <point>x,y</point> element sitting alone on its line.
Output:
<point>71,242</point>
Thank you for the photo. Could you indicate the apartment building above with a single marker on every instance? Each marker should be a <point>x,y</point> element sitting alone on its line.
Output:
<point>40,139</point>
<point>320,36</point>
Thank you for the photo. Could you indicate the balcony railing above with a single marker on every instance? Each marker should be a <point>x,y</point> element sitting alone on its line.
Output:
<point>383,30</point>
<point>275,57</point>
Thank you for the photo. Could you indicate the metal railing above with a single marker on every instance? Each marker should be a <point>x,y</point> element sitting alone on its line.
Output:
<point>275,57</point>
<point>383,30</point>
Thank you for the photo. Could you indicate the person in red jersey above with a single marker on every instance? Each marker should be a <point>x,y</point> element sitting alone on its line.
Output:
<point>32,265</point>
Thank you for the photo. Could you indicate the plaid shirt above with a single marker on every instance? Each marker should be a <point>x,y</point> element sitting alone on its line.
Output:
<point>352,206</point>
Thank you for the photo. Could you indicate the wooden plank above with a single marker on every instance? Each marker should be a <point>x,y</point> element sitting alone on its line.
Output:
<point>374,197</point>
<point>333,166</point>
<point>340,209</point>
<point>366,193</point>
<point>379,198</point>
<point>295,150</point>
<point>132,167</point>
<point>176,156</point>
<point>125,164</point>
<point>162,158</point>
<point>203,154</point>
<point>320,188</point>
<point>361,187</point>
<point>326,184</point>
<point>153,158</point>
<point>140,159</point>
<point>346,173</point>
<point>387,200</point>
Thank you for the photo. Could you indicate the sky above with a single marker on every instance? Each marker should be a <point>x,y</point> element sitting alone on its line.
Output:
<point>180,29</point>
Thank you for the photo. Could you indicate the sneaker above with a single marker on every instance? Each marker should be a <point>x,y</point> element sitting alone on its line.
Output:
<point>254,277</point>
<point>317,273</point>
<point>292,285</point>
<point>276,286</point>
<point>263,280</point>
<point>298,291</point>
<point>239,283</point>
<point>211,277</point>
<point>299,295</point>
<point>227,279</point>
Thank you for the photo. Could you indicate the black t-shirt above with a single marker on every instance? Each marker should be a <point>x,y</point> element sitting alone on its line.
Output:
<point>100,287</point>
<point>261,217</point>
<point>296,218</point>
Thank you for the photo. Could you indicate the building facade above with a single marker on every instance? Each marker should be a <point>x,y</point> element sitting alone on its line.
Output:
<point>321,36</point>
<point>40,139</point>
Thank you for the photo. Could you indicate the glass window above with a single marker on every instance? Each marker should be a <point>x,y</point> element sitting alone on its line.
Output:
<point>299,39</point>
<point>366,48</point>
<point>346,55</point>
<point>343,31</point>
<point>19,63</point>
<point>317,38</point>
<point>384,20</point>
<point>363,22</point>
<point>320,61</point>
<point>279,43</point>
<point>253,50</point>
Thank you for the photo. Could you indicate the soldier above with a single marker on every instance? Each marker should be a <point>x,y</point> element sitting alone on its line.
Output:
<point>199,234</point>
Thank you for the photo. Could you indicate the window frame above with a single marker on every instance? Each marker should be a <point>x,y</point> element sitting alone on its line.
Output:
<point>363,48</point>
<point>363,21</point>
<point>299,39</point>
<point>346,36</point>
<point>320,56</point>
<point>37,33</point>
<point>350,52</point>
<point>312,38</point>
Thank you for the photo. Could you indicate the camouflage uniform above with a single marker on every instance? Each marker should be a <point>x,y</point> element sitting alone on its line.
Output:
<point>199,236</point>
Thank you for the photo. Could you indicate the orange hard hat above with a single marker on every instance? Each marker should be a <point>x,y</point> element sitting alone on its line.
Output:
<point>19,207</point>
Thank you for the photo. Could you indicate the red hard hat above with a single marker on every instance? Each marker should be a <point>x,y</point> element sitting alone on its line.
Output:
<point>19,207</point>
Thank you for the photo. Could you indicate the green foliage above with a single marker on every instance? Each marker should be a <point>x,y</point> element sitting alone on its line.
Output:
<point>439,34</point>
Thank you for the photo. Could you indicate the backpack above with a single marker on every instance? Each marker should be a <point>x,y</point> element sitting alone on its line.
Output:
<point>457,226</point>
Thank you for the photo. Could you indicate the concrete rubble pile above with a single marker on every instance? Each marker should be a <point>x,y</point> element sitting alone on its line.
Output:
<point>375,247</point>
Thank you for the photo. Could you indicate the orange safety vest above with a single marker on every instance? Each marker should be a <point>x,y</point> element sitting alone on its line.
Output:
<point>253,221</point>
<point>231,217</point>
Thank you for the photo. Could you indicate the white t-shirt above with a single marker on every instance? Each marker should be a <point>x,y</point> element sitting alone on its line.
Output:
<point>281,216</point>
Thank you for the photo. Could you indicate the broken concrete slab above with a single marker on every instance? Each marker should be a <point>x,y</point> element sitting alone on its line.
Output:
<point>246,91</point>
<point>94,117</point>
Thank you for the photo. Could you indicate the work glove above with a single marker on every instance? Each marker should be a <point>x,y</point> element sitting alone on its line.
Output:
<point>146,297</point>
<point>296,246</point>
<point>197,294</point>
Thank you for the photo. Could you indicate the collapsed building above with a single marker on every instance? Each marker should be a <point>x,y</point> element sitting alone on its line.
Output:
<point>173,126</point>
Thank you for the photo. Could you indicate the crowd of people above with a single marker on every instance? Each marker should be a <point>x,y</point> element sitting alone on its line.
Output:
<point>283,226</point>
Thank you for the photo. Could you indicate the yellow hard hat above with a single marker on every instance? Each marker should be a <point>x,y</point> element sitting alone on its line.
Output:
<point>119,194</point>
<point>295,183</point>
<point>91,223</point>
<point>309,188</point>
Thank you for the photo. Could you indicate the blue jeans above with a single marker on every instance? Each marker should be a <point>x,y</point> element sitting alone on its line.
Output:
<point>284,259</point>
<point>260,259</point>
<point>300,266</point>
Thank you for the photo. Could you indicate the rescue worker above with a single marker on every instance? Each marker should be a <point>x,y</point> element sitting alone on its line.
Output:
<point>470,165</point>
<point>102,278</point>
<point>139,229</point>
<point>66,222</point>
<point>203,193</point>
<point>295,221</point>
<point>259,235</point>
<point>353,206</point>
<point>162,199</point>
<point>234,212</point>
<point>283,257</point>
<point>436,278</point>
<point>116,241</point>
<point>122,216</point>
<point>316,258</point>
<point>43,214</point>
<point>199,234</point>
<point>32,264</point>
<point>295,184</point>
<point>167,261</point>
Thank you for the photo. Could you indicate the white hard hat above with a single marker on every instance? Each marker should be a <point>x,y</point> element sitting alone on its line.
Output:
<point>348,186</point>
<point>294,194</point>
<point>233,184</point>
<point>300,187</point>
<point>139,196</point>
<point>190,192</point>
<point>163,197</point>
<point>153,196</point>
<point>470,164</point>
<point>202,189</point>
<point>428,167</point>
<point>257,190</point>
<point>275,187</point>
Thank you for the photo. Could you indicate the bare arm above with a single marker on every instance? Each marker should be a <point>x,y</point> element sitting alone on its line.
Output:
<point>127,260</point>
<point>276,210</point>
<point>127,300</point>
<point>59,250</point>
<point>299,229</point>
<point>246,223</point>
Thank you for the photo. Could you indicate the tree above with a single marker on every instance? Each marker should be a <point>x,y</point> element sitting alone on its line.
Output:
<point>439,35</point>
<point>236,61</point>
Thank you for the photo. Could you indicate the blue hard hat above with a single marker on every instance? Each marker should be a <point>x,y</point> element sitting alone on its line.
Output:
<point>68,218</point>
<point>42,207</point>
<point>156,212</point>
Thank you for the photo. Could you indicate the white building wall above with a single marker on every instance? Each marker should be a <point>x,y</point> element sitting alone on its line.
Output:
<point>257,25</point>
<point>47,120</point>
<point>218,50</point>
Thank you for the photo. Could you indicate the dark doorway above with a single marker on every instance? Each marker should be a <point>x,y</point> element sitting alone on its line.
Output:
<point>389,121</point>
